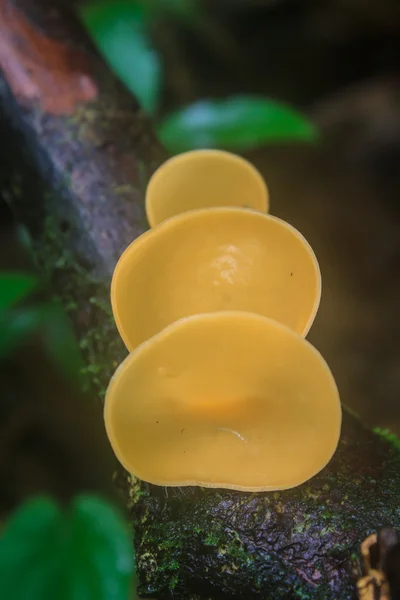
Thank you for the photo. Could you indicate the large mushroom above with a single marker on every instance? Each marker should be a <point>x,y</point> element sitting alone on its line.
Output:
<point>211,260</point>
<point>204,179</point>
<point>228,399</point>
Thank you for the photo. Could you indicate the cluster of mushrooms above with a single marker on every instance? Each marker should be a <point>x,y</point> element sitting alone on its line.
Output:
<point>220,388</point>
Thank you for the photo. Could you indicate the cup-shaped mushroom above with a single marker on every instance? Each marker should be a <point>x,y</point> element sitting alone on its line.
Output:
<point>210,260</point>
<point>204,179</point>
<point>228,399</point>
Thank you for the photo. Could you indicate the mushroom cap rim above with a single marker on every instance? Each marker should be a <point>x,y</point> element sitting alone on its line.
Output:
<point>243,162</point>
<point>212,316</point>
<point>215,210</point>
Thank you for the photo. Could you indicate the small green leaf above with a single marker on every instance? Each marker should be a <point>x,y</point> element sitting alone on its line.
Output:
<point>119,28</point>
<point>104,540</point>
<point>236,123</point>
<point>84,552</point>
<point>14,287</point>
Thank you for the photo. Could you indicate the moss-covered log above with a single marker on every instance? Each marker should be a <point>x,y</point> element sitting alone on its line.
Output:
<point>78,146</point>
<point>197,543</point>
<point>74,163</point>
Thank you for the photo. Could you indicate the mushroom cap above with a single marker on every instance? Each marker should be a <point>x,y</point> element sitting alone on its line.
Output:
<point>204,179</point>
<point>215,259</point>
<point>229,399</point>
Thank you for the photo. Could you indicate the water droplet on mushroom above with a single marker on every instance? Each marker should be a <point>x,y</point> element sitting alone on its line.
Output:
<point>234,432</point>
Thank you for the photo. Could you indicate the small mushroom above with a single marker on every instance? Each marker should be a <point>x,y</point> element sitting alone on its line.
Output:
<point>210,260</point>
<point>204,179</point>
<point>227,399</point>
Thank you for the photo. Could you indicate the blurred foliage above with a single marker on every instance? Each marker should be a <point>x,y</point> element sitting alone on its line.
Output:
<point>14,287</point>
<point>81,552</point>
<point>388,436</point>
<point>23,316</point>
<point>121,30</point>
<point>239,121</point>
<point>15,325</point>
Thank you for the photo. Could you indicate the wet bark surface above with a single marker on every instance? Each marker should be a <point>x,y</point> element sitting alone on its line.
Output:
<point>67,118</point>
<point>200,543</point>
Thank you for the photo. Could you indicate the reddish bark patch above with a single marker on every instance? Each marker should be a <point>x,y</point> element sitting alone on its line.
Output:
<point>39,69</point>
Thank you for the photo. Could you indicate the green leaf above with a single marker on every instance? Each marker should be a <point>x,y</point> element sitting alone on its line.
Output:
<point>15,322</point>
<point>119,28</point>
<point>19,322</point>
<point>17,325</point>
<point>57,334</point>
<point>30,545</point>
<point>14,287</point>
<point>236,123</point>
<point>84,552</point>
<point>60,342</point>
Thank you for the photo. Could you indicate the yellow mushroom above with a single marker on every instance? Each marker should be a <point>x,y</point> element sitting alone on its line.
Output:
<point>214,260</point>
<point>228,399</point>
<point>204,179</point>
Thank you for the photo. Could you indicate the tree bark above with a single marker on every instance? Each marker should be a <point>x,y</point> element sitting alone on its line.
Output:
<point>74,146</point>
<point>196,543</point>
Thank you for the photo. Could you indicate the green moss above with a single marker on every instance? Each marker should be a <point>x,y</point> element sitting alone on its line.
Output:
<point>86,300</point>
<point>167,545</point>
<point>302,525</point>
<point>210,539</point>
<point>136,491</point>
<point>126,188</point>
<point>172,565</point>
<point>239,554</point>
<point>84,124</point>
<point>388,436</point>
<point>174,582</point>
